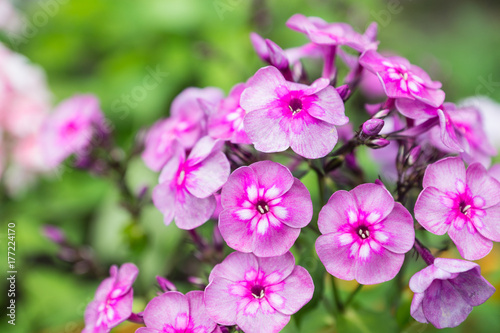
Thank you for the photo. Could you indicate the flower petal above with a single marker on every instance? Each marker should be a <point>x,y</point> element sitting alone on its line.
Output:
<point>237,233</point>
<point>220,304</point>
<point>198,313</point>
<point>235,266</point>
<point>298,205</point>
<point>471,246</point>
<point>335,213</point>
<point>297,291</point>
<point>399,224</point>
<point>164,309</point>
<point>482,184</point>
<point>444,174</point>
<point>262,321</point>
<point>209,175</point>
<point>380,267</point>
<point>271,174</point>
<point>443,306</point>
<point>430,211</point>
<point>373,198</point>
<point>311,137</point>
<point>264,130</point>
<point>261,87</point>
<point>193,212</point>
<point>277,268</point>
<point>335,257</point>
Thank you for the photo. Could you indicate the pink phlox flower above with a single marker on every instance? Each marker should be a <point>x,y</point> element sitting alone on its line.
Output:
<point>446,291</point>
<point>461,129</point>
<point>264,208</point>
<point>187,124</point>
<point>365,234</point>
<point>71,128</point>
<point>226,122</point>
<point>112,303</point>
<point>282,114</point>
<point>402,79</point>
<point>187,184</point>
<point>173,312</point>
<point>323,33</point>
<point>257,294</point>
<point>463,203</point>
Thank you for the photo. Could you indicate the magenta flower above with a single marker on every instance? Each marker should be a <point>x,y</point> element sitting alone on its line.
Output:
<point>264,207</point>
<point>466,204</point>
<point>323,33</point>
<point>402,79</point>
<point>282,114</point>
<point>365,234</point>
<point>187,185</point>
<point>227,121</point>
<point>112,303</point>
<point>446,291</point>
<point>187,124</point>
<point>257,294</point>
<point>173,312</point>
<point>71,128</point>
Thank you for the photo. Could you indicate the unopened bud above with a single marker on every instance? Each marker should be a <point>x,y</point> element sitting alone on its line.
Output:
<point>413,155</point>
<point>344,91</point>
<point>381,114</point>
<point>165,285</point>
<point>277,56</point>
<point>372,127</point>
<point>54,234</point>
<point>378,143</point>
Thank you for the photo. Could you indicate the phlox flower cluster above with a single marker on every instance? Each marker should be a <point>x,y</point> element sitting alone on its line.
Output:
<point>272,171</point>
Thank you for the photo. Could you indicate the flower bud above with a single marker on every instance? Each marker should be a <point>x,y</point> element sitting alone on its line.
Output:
<point>413,155</point>
<point>378,143</point>
<point>372,127</point>
<point>165,285</point>
<point>54,234</point>
<point>344,92</point>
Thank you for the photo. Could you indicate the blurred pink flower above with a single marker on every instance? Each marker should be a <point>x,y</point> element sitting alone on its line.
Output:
<point>112,303</point>
<point>227,121</point>
<point>71,128</point>
<point>187,124</point>
<point>187,184</point>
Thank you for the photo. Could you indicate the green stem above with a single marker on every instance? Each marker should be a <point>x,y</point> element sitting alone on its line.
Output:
<point>351,296</point>
<point>336,296</point>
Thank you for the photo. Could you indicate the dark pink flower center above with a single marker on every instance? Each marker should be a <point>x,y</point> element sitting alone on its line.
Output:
<point>295,105</point>
<point>363,232</point>
<point>262,207</point>
<point>258,291</point>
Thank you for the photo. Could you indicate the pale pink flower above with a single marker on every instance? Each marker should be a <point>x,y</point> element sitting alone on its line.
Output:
<point>187,184</point>
<point>257,294</point>
<point>446,291</point>
<point>187,124</point>
<point>264,208</point>
<point>71,128</point>
<point>282,114</point>
<point>227,121</point>
<point>464,204</point>
<point>365,234</point>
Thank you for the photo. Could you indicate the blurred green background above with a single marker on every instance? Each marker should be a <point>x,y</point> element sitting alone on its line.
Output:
<point>108,47</point>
